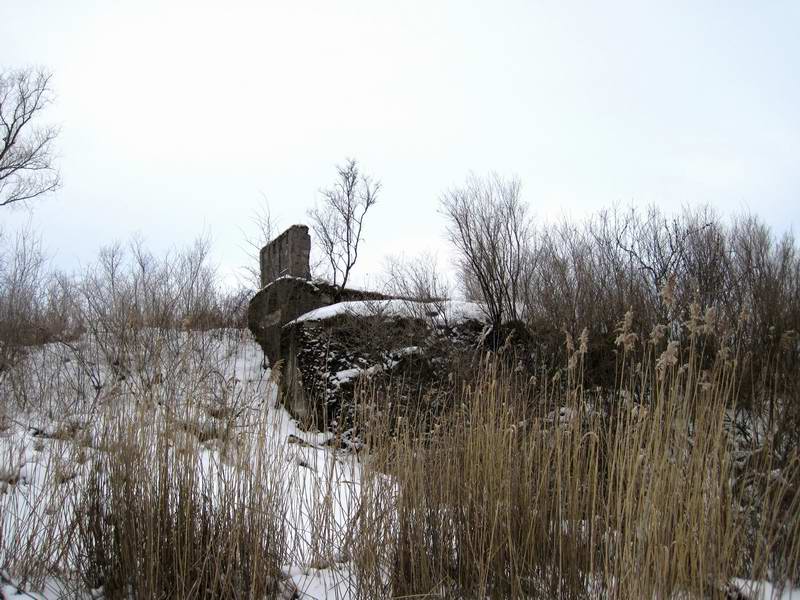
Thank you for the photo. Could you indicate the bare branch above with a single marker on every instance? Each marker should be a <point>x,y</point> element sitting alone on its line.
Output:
<point>338,222</point>
<point>490,229</point>
<point>262,231</point>
<point>26,153</point>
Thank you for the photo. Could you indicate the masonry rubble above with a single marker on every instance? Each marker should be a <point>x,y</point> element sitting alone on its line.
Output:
<point>322,347</point>
<point>287,291</point>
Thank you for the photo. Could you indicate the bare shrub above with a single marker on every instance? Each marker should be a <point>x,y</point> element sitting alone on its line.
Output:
<point>419,282</point>
<point>131,299</point>
<point>34,303</point>
<point>489,227</point>
<point>588,273</point>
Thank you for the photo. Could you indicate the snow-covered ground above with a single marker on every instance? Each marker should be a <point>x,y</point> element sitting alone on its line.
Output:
<point>57,409</point>
<point>55,412</point>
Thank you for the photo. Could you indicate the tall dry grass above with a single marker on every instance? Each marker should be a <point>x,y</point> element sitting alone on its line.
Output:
<point>166,479</point>
<point>159,517</point>
<point>539,488</point>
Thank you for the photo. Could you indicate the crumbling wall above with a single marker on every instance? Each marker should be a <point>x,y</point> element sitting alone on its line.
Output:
<point>278,303</point>
<point>287,298</point>
<point>324,359</point>
<point>287,254</point>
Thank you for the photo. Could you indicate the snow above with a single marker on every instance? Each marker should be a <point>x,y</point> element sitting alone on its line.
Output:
<point>346,375</point>
<point>289,277</point>
<point>450,311</point>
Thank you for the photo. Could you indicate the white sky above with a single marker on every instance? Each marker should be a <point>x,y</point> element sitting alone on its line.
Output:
<point>177,116</point>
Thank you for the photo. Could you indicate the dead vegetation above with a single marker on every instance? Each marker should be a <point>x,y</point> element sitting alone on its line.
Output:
<point>652,451</point>
<point>535,488</point>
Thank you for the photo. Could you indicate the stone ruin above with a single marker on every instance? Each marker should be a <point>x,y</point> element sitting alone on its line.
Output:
<point>287,291</point>
<point>322,347</point>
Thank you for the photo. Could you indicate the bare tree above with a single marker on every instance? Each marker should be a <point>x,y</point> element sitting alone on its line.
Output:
<point>262,231</point>
<point>26,155</point>
<point>489,226</point>
<point>338,222</point>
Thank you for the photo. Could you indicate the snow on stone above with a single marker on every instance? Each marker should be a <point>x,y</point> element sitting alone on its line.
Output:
<point>346,375</point>
<point>450,311</point>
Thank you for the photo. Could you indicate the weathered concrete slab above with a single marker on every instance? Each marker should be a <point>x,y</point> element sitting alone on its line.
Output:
<point>287,255</point>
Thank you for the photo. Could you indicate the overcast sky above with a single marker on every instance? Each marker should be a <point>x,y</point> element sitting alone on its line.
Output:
<point>177,116</point>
